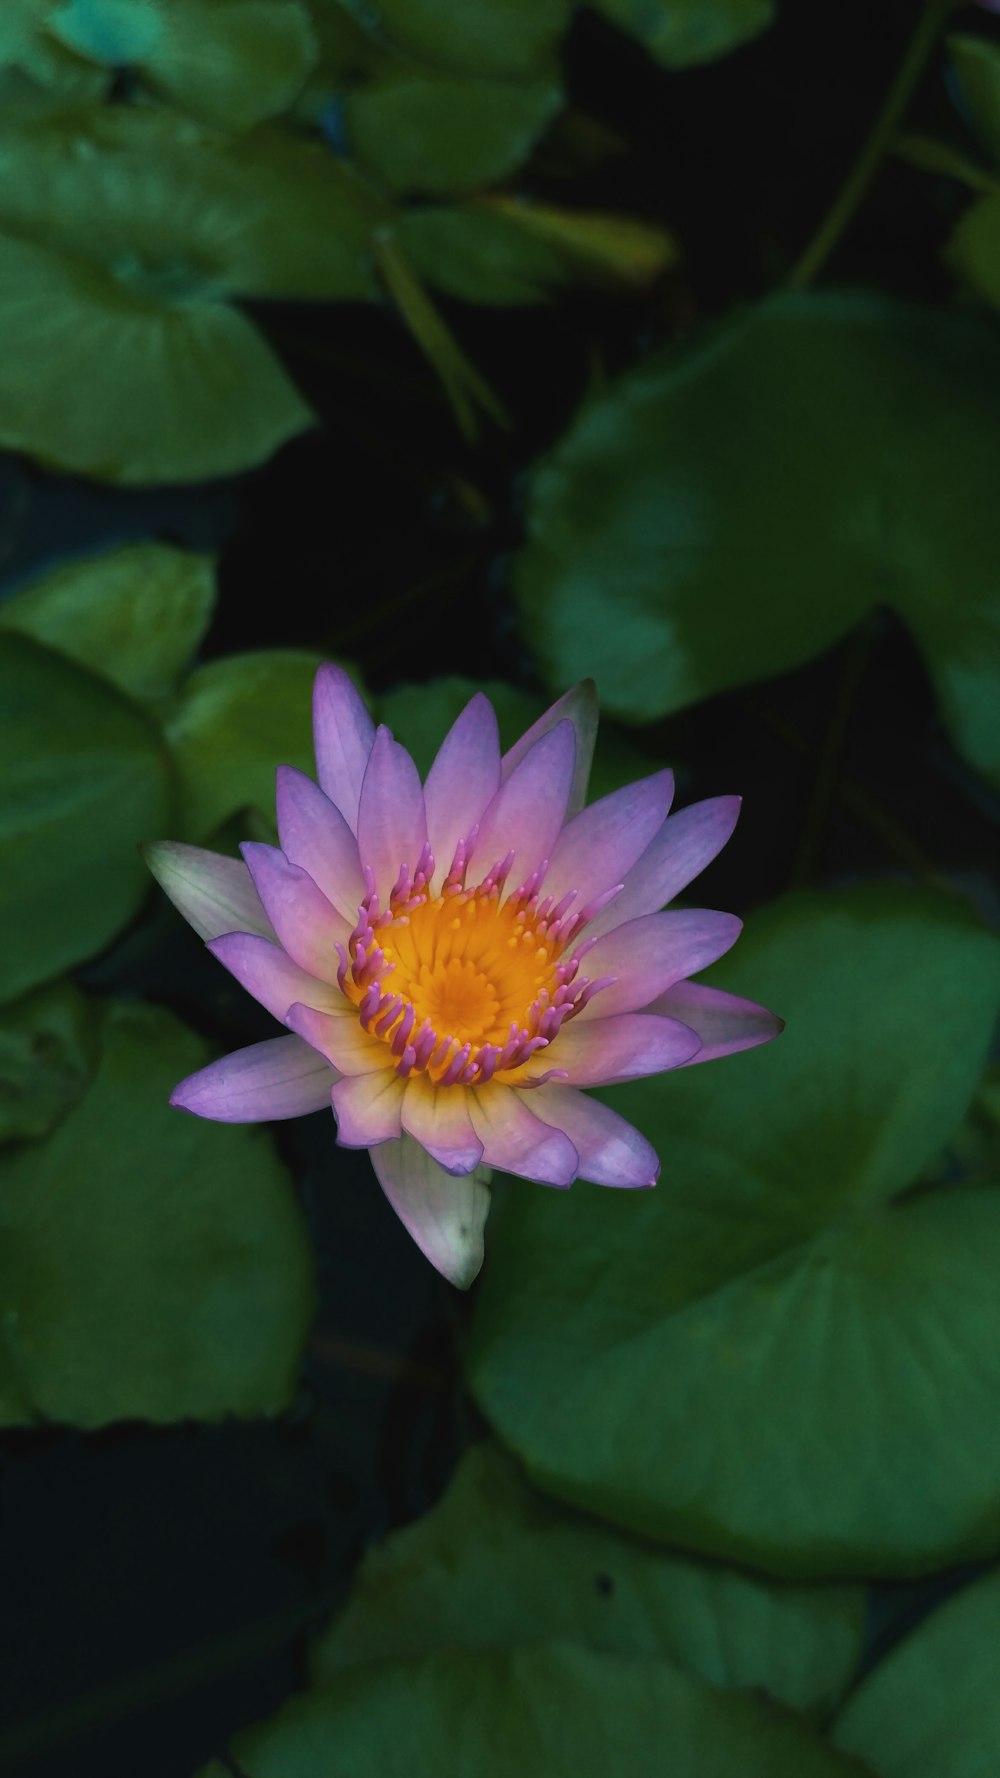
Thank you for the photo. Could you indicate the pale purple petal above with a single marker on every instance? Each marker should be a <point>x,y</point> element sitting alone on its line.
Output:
<point>527,812</point>
<point>438,1118</point>
<point>392,823</point>
<point>367,1108</point>
<point>280,1078</point>
<point>314,834</point>
<point>650,954</point>
<point>343,733</point>
<point>340,1038</point>
<point>611,1152</point>
<point>269,974</point>
<point>724,1022</point>
<point>517,1141</point>
<point>463,780</point>
<point>685,844</point>
<point>578,706</point>
<point>626,1047</point>
<point>215,894</point>
<point>444,1215</point>
<point>308,928</point>
<point>602,843</point>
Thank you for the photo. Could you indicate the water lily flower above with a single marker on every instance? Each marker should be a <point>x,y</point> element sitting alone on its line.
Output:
<point>457,961</point>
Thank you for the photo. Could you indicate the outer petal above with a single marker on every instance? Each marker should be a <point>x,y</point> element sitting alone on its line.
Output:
<point>392,823</point>
<point>463,780</point>
<point>611,1152</point>
<point>315,835</point>
<point>307,926</point>
<point>514,1139</point>
<point>269,975</point>
<point>724,1022</point>
<point>214,894</point>
<point>685,844</point>
<point>652,953</point>
<point>339,1037</point>
<point>603,842</point>
<point>578,706</point>
<point>367,1108</point>
<point>445,1216</point>
<point>343,733</point>
<point>527,813</point>
<point>438,1118</point>
<point>280,1078</point>
<point>626,1047</point>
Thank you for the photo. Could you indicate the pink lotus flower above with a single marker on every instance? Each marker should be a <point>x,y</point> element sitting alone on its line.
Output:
<point>456,961</point>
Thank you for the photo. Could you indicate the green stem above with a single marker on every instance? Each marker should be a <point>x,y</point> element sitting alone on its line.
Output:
<point>851,193</point>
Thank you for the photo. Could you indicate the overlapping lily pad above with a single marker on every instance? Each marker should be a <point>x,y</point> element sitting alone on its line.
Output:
<point>682,33</point>
<point>48,1051</point>
<point>726,511</point>
<point>508,38</point>
<point>135,615</point>
<point>496,1564</point>
<point>551,1708</point>
<point>933,1705</point>
<point>153,1266</point>
<point>780,1356</point>
<point>86,779</point>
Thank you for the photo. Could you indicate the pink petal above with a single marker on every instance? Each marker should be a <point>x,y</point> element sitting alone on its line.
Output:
<point>578,706</point>
<point>685,844</point>
<point>214,894</point>
<point>724,1022</point>
<point>367,1108</point>
<point>280,1078</point>
<point>611,1152</point>
<point>463,780</point>
<point>314,834</point>
<point>625,1047</point>
<point>445,1216</point>
<point>340,1038</point>
<point>392,823</point>
<point>652,953</point>
<point>343,733</point>
<point>308,928</point>
<point>517,1141</point>
<point>527,812</point>
<point>602,843</point>
<point>438,1118</point>
<point>269,974</point>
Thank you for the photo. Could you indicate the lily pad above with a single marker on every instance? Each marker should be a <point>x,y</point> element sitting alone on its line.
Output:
<point>495,1564</point>
<point>726,511</point>
<point>933,1704</point>
<point>685,33</point>
<point>421,131</point>
<point>707,1363</point>
<point>47,1056</point>
<point>153,1266</point>
<point>507,38</point>
<point>134,614</point>
<point>535,1711</point>
<point>235,721</point>
<point>86,779</point>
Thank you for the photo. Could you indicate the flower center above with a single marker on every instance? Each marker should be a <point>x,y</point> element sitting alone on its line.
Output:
<point>466,984</point>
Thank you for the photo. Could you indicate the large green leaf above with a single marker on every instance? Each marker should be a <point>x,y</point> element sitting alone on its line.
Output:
<point>683,33</point>
<point>179,213</point>
<point>85,780</point>
<point>422,131</point>
<point>152,1266</point>
<point>134,614</point>
<point>539,1712</point>
<point>726,511</point>
<point>233,62</point>
<point>27,49</point>
<point>47,1056</point>
<point>933,1705</point>
<point>506,38</point>
<point>162,391</point>
<point>234,722</point>
<point>976,61</point>
<point>781,1355</point>
<point>495,1565</point>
